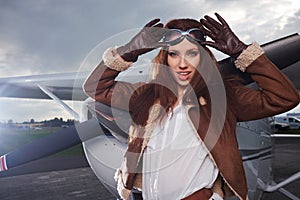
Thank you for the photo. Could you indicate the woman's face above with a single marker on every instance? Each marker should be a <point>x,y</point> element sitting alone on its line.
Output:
<point>183,59</point>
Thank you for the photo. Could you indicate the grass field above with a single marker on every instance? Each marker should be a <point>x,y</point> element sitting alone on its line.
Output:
<point>296,131</point>
<point>11,139</point>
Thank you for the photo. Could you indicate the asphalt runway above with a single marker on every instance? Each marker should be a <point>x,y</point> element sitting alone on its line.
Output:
<point>73,178</point>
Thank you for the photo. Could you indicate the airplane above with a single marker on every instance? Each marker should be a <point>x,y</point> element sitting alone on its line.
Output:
<point>103,130</point>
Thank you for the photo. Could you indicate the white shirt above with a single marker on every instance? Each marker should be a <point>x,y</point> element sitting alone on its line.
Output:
<point>176,162</point>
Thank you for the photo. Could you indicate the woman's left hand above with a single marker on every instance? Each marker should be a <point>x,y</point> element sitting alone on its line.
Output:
<point>223,37</point>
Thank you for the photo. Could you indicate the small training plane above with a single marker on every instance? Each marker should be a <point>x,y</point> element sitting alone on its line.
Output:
<point>104,133</point>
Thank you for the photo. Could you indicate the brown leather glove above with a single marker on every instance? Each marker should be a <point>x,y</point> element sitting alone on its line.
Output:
<point>223,38</point>
<point>146,40</point>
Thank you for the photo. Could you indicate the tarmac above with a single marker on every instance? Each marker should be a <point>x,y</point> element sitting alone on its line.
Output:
<point>71,177</point>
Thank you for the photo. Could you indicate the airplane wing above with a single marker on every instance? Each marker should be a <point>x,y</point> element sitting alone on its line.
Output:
<point>65,86</point>
<point>293,72</point>
<point>58,87</point>
<point>282,52</point>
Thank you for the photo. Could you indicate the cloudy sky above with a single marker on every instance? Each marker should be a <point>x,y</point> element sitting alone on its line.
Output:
<point>54,36</point>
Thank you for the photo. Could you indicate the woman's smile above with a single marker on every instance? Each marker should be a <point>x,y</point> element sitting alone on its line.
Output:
<point>184,75</point>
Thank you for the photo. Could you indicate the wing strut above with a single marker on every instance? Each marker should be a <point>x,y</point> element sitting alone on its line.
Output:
<point>279,186</point>
<point>59,101</point>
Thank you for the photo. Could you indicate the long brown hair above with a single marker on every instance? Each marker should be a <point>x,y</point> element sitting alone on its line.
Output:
<point>163,88</point>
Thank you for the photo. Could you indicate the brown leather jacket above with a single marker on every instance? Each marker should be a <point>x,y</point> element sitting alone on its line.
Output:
<point>276,95</point>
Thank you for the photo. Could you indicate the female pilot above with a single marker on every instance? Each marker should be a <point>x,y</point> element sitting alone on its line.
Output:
<point>182,141</point>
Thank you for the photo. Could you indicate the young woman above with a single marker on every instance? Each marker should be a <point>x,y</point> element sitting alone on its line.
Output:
<point>182,142</point>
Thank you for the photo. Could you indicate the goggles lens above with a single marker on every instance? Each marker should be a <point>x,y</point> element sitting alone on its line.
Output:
<point>173,35</point>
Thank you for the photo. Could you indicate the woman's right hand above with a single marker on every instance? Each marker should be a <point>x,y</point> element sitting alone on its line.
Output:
<point>146,40</point>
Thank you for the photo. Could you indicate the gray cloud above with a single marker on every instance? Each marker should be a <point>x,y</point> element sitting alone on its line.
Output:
<point>54,36</point>
<point>293,22</point>
<point>58,34</point>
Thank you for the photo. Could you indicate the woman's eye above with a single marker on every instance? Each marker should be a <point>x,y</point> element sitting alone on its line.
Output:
<point>173,54</point>
<point>193,53</point>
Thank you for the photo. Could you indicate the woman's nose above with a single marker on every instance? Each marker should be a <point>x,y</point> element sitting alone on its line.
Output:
<point>183,63</point>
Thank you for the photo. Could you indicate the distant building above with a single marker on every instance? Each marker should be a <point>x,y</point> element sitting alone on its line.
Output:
<point>36,125</point>
<point>32,124</point>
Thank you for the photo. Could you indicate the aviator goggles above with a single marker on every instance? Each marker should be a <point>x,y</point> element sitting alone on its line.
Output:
<point>174,36</point>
